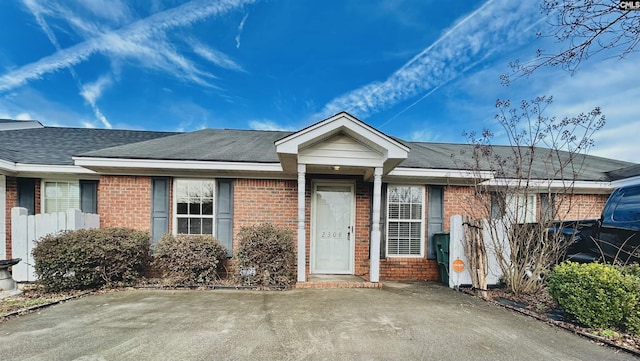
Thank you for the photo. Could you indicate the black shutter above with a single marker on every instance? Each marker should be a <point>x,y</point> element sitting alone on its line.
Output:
<point>435,222</point>
<point>159,207</point>
<point>224,214</point>
<point>89,196</point>
<point>27,194</point>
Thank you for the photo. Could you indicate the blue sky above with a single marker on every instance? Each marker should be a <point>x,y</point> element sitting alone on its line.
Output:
<point>421,70</point>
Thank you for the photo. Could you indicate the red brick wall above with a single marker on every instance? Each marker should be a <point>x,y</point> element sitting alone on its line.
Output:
<point>257,201</point>
<point>125,201</point>
<point>362,231</point>
<point>11,201</point>
<point>579,206</point>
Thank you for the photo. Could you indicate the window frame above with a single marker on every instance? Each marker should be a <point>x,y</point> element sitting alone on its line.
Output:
<point>43,193</point>
<point>421,221</point>
<point>174,206</point>
<point>530,214</point>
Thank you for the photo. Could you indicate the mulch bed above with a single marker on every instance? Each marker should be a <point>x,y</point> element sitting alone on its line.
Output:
<point>33,298</point>
<point>542,307</point>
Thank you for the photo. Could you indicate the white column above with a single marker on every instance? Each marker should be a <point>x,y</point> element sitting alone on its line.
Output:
<point>374,264</point>
<point>302,261</point>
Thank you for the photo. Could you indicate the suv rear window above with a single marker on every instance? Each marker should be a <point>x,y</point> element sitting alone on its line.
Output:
<point>628,207</point>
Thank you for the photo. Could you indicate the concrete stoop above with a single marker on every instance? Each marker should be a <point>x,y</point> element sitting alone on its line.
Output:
<point>337,281</point>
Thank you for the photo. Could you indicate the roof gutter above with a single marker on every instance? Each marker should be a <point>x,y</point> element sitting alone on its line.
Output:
<point>549,184</point>
<point>176,164</point>
<point>626,182</point>
<point>7,166</point>
<point>440,173</point>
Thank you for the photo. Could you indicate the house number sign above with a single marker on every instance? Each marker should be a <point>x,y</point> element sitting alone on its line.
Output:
<point>331,234</point>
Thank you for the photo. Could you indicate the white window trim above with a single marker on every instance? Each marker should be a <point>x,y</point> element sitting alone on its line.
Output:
<point>43,192</point>
<point>174,211</point>
<point>422,223</point>
<point>530,212</point>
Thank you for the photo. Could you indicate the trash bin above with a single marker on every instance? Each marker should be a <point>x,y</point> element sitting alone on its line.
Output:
<point>442,255</point>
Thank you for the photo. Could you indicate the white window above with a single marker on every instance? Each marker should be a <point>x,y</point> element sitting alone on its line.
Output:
<point>59,196</point>
<point>515,208</point>
<point>405,217</point>
<point>194,206</point>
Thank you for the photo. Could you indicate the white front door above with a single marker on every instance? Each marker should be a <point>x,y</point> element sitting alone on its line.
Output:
<point>333,238</point>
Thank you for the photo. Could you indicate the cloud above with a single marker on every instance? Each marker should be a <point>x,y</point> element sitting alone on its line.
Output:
<point>130,40</point>
<point>240,27</point>
<point>265,124</point>
<point>36,10</point>
<point>92,92</point>
<point>218,58</point>
<point>41,109</point>
<point>477,36</point>
<point>423,136</point>
<point>113,10</point>
<point>23,116</point>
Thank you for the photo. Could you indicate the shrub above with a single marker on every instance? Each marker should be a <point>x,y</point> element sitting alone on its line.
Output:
<point>91,258</point>
<point>597,295</point>
<point>189,259</point>
<point>265,256</point>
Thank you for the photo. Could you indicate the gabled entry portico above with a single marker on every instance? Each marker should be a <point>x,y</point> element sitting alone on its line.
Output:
<point>341,145</point>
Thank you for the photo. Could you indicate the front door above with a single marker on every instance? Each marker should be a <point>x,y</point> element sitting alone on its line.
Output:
<point>333,238</point>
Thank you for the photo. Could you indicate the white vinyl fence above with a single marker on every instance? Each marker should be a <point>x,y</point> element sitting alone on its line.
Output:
<point>25,230</point>
<point>456,252</point>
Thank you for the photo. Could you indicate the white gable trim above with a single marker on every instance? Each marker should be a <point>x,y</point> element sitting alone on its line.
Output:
<point>351,126</point>
<point>391,152</point>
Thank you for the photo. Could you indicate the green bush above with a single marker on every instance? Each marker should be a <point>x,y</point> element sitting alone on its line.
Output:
<point>189,259</point>
<point>265,256</point>
<point>597,295</point>
<point>91,258</point>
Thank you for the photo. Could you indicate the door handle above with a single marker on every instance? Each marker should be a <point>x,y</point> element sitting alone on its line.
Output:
<point>348,233</point>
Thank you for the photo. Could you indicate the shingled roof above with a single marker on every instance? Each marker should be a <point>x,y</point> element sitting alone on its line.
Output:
<point>207,145</point>
<point>56,146</point>
<point>258,146</point>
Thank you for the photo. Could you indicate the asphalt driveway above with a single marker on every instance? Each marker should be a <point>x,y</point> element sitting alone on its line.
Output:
<point>398,322</point>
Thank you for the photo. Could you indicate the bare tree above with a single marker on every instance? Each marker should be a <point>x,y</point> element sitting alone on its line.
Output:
<point>585,28</point>
<point>532,187</point>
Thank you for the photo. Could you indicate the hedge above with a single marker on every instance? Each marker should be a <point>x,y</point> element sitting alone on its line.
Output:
<point>598,295</point>
<point>189,260</point>
<point>91,258</point>
<point>265,256</point>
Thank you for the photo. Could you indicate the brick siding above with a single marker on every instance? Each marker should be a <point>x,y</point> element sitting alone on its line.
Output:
<point>580,206</point>
<point>125,201</point>
<point>11,201</point>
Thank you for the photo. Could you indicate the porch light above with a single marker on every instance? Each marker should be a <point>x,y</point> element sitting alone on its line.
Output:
<point>336,167</point>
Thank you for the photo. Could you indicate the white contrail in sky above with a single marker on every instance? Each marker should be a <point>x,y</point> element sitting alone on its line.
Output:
<point>125,41</point>
<point>475,36</point>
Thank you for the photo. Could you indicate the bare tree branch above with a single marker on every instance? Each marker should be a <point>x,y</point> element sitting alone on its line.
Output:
<point>586,27</point>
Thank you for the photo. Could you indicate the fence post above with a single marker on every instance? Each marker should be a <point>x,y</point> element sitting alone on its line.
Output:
<point>74,219</point>
<point>19,243</point>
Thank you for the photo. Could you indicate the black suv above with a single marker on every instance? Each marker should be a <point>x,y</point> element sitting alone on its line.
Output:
<point>613,237</point>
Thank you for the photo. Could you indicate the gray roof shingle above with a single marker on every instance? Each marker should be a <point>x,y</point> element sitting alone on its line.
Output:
<point>207,145</point>
<point>56,146</point>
